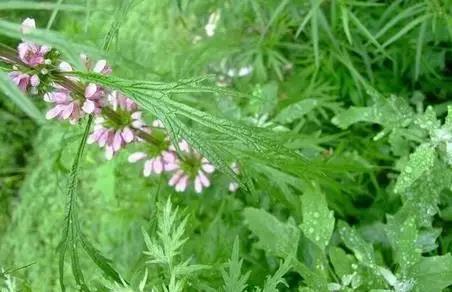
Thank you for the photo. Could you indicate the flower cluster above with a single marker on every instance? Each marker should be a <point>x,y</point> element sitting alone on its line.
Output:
<point>38,69</point>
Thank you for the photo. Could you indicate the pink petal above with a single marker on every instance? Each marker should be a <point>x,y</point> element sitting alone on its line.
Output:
<point>198,185</point>
<point>109,152</point>
<point>207,167</point>
<point>28,25</point>
<point>34,80</point>
<point>100,65</point>
<point>203,179</point>
<point>88,106</point>
<point>117,141</point>
<point>103,138</point>
<point>175,178</point>
<point>90,90</point>
<point>183,145</point>
<point>55,111</point>
<point>136,115</point>
<point>127,134</point>
<point>65,67</point>
<point>136,156</point>
<point>182,184</point>
<point>67,111</point>
<point>158,166</point>
<point>147,168</point>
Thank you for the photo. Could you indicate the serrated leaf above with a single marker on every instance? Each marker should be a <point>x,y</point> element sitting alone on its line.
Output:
<point>102,262</point>
<point>268,228</point>
<point>271,284</point>
<point>420,162</point>
<point>296,110</point>
<point>234,281</point>
<point>363,250</point>
<point>392,112</point>
<point>318,221</point>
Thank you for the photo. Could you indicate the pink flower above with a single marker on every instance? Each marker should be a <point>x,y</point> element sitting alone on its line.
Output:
<point>94,94</point>
<point>117,129</point>
<point>32,54</point>
<point>165,161</point>
<point>65,106</point>
<point>158,157</point>
<point>94,99</point>
<point>191,167</point>
<point>233,186</point>
<point>23,81</point>
<point>100,66</point>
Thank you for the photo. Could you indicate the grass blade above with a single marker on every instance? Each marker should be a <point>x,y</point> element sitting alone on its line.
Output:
<point>33,5</point>
<point>406,29</point>
<point>22,101</point>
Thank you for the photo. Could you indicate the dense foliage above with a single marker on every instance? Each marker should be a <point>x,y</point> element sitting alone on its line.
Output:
<point>337,115</point>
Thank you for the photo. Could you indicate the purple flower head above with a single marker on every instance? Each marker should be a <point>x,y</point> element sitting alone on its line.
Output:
<point>65,106</point>
<point>24,81</point>
<point>94,94</point>
<point>190,167</point>
<point>157,156</point>
<point>32,54</point>
<point>118,124</point>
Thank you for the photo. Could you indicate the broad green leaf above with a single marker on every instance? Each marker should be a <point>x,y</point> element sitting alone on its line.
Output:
<point>341,261</point>
<point>268,228</point>
<point>420,162</point>
<point>432,274</point>
<point>403,238</point>
<point>318,221</point>
<point>17,96</point>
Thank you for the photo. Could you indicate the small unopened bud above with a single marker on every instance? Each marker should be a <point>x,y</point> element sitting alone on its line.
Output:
<point>44,71</point>
<point>47,61</point>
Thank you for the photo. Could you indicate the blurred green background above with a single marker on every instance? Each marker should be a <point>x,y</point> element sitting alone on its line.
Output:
<point>314,64</point>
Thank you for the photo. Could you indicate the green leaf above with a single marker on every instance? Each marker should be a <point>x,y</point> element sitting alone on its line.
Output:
<point>392,113</point>
<point>318,221</point>
<point>363,251</point>
<point>412,24</point>
<point>268,228</point>
<point>234,281</point>
<point>271,284</point>
<point>432,274</point>
<point>102,262</point>
<point>297,110</point>
<point>22,101</point>
<point>403,238</point>
<point>420,162</point>
<point>341,261</point>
